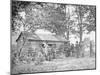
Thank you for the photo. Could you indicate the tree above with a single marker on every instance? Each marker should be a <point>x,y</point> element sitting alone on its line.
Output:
<point>86,19</point>
<point>17,6</point>
<point>69,22</point>
<point>91,19</point>
<point>45,15</point>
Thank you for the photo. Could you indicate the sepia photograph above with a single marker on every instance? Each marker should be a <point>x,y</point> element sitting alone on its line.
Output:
<point>52,37</point>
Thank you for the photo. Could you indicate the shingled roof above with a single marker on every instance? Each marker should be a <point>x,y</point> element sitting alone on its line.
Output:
<point>41,37</point>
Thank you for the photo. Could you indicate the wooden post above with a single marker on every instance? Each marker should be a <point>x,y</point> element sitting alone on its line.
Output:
<point>91,49</point>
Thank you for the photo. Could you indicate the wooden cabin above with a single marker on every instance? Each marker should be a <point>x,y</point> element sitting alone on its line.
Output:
<point>27,40</point>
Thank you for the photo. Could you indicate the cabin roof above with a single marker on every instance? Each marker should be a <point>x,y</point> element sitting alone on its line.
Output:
<point>41,37</point>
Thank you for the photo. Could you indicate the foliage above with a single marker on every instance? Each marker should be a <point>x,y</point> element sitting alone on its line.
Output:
<point>52,17</point>
<point>16,20</point>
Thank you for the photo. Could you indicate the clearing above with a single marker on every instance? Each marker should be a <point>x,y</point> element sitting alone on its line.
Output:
<point>69,63</point>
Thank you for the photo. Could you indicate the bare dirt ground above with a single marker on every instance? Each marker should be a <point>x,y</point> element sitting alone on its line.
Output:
<point>57,65</point>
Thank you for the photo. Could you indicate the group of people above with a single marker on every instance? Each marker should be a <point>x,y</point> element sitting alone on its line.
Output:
<point>72,49</point>
<point>69,50</point>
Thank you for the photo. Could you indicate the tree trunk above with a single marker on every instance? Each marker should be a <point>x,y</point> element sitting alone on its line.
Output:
<point>91,49</point>
<point>81,31</point>
<point>68,33</point>
<point>67,19</point>
<point>65,35</point>
<point>81,44</point>
<point>21,47</point>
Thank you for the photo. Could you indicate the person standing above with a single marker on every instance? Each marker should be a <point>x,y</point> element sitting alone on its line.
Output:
<point>72,50</point>
<point>67,48</point>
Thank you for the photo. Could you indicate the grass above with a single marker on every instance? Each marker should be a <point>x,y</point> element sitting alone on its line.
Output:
<point>56,65</point>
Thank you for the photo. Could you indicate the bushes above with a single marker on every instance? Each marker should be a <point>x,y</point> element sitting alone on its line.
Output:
<point>27,56</point>
<point>39,58</point>
<point>33,55</point>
